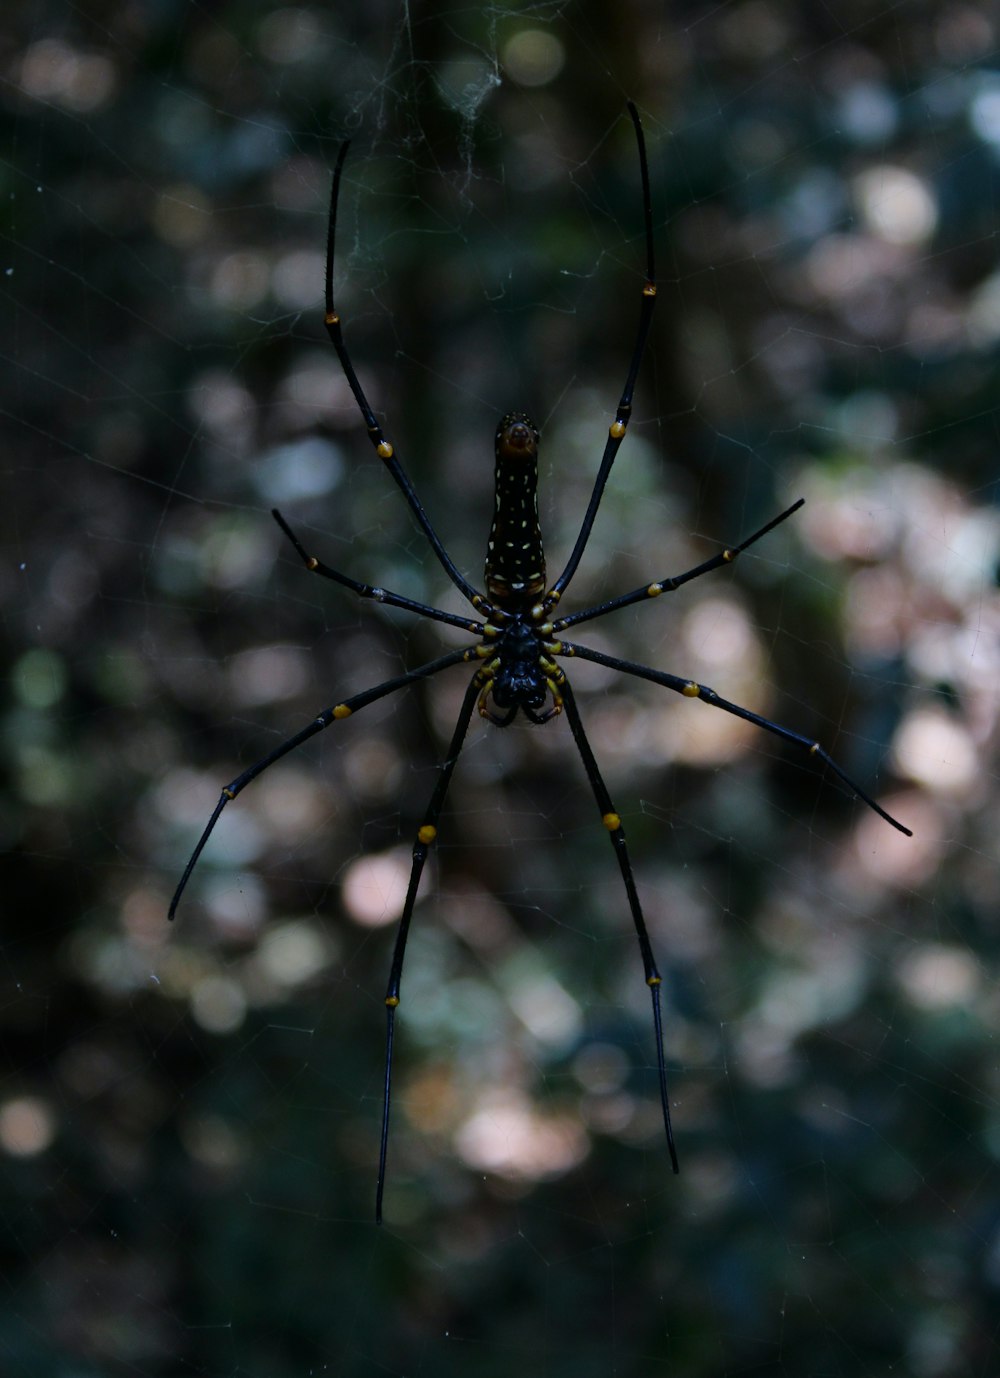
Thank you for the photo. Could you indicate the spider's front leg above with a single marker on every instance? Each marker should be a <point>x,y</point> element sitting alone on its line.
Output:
<point>616,832</point>
<point>692,690</point>
<point>426,835</point>
<point>337,713</point>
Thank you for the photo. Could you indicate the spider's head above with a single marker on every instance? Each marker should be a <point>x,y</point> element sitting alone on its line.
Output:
<point>518,681</point>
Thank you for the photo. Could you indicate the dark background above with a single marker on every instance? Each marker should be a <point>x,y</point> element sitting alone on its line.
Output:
<point>189,1114</point>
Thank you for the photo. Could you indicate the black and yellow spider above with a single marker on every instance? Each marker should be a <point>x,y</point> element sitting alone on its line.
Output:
<point>519,641</point>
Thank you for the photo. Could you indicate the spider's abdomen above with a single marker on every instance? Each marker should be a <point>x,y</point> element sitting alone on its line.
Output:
<point>515,560</point>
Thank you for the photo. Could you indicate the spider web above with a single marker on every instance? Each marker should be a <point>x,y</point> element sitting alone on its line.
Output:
<point>189,1116</point>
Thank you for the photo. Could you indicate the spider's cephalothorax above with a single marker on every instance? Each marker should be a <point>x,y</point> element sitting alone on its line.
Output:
<point>518,642</point>
<point>520,675</point>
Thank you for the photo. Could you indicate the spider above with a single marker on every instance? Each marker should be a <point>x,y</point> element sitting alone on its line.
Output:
<point>519,640</point>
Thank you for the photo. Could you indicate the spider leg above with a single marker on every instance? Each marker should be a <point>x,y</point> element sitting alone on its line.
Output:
<point>616,832</point>
<point>674,581</point>
<point>425,837</point>
<point>323,720</point>
<point>383,447</point>
<point>691,690</point>
<point>378,595</point>
<point>616,432</point>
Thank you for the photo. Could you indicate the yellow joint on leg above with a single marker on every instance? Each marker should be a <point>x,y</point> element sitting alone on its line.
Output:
<point>384,450</point>
<point>729,555</point>
<point>616,430</point>
<point>312,562</point>
<point>332,318</point>
<point>342,711</point>
<point>654,981</point>
<point>649,289</point>
<point>427,833</point>
<point>612,821</point>
<point>814,748</point>
<point>654,590</point>
<point>691,690</point>
<point>228,793</point>
<point>392,1001</point>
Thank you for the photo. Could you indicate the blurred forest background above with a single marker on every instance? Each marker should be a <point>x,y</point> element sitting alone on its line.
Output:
<point>189,1112</point>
